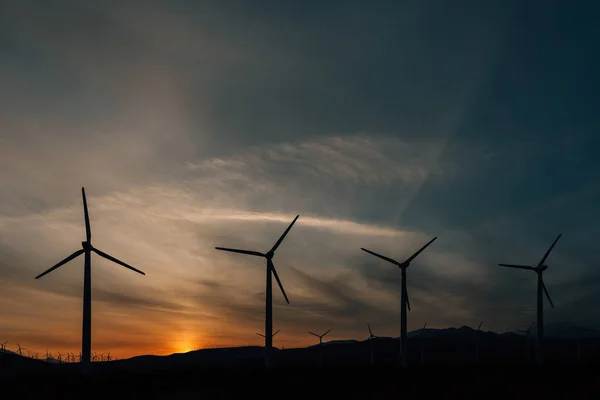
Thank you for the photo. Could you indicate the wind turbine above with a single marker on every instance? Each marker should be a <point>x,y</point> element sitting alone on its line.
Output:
<point>87,249</point>
<point>423,344</point>
<point>404,302</point>
<point>477,342</point>
<point>320,345</point>
<point>578,338</point>
<point>320,336</point>
<point>541,287</point>
<point>3,346</point>
<point>370,339</point>
<point>269,292</point>
<point>261,335</point>
<point>20,349</point>
<point>527,332</point>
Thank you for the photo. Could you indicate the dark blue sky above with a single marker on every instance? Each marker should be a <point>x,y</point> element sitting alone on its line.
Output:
<point>194,124</point>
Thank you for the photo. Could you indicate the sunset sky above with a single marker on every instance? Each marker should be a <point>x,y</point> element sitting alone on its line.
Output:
<point>197,124</point>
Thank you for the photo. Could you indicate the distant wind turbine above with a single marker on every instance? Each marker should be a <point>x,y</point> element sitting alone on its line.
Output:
<point>541,287</point>
<point>370,339</point>
<point>477,359</point>
<point>269,292</point>
<point>3,346</point>
<point>527,333</point>
<point>404,302</point>
<point>261,335</point>
<point>87,249</point>
<point>20,349</point>
<point>320,345</point>
<point>578,339</point>
<point>423,344</point>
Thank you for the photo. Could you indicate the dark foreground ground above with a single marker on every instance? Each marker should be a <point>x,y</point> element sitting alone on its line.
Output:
<point>450,372</point>
<point>510,382</point>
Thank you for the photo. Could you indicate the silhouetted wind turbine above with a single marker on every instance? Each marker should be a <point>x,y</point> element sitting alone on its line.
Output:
<point>261,335</point>
<point>477,342</point>
<point>578,338</point>
<point>423,344</point>
<point>269,292</point>
<point>527,333</point>
<point>541,287</point>
<point>20,349</point>
<point>404,302</point>
<point>3,346</point>
<point>320,336</point>
<point>370,339</point>
<point>320,345</point>
<point>87,249</point>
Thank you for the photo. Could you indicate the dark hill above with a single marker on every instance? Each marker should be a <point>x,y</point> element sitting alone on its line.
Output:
<point>449,356</point>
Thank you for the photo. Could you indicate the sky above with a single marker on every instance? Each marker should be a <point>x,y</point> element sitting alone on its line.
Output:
<point>383,124</point>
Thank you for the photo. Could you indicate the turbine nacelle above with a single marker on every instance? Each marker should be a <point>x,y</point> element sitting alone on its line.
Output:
<point>87,246</point>
<point>542,268</point>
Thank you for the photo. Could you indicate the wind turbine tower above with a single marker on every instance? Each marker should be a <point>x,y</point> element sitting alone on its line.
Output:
<point>404,302</point>
<point>269,292</point>
<point>87,249</point>
<point>541,289</point>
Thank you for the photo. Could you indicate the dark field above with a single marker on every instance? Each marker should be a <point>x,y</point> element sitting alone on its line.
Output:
<point>449,371</point>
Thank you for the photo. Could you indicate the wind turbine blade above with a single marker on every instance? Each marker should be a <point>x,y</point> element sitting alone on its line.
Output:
<point>248,252</point>
<point>314,334</point>
<point>380,256</point>
<point>517,266</point>
<point>111,258</point>
<point>424,325</point>
<point>277,279</point>
<point>420,250</point>
<point>276,332</point>
<point>260,335</point>
<point>407,300</point>
<point>284,235</point>
<point>370,332</point>
<point>479,327</point>
<point>88,229</point>
<point>66,260</point>
<point>549,250</point>
<point>326,333</point>
<point>547,294</point>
